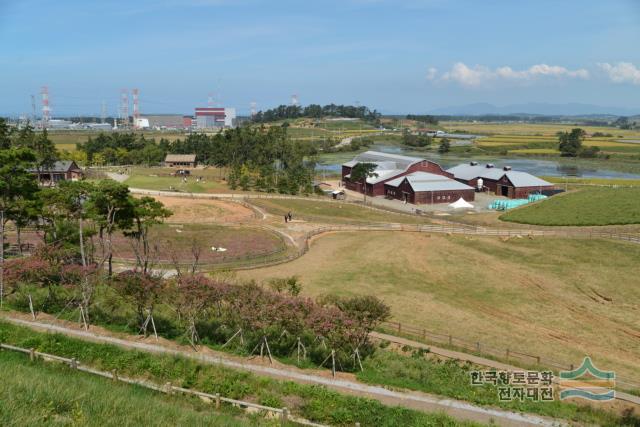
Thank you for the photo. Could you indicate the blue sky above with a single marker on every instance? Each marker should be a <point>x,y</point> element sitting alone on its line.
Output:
<point>397,56</point>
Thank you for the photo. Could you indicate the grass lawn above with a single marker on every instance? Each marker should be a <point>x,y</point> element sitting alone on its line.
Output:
<point>558,298</point>
<point>52,394</point>
<point>330,211</point>
<point>592,206</point>
<point>161,179</point>
<point>592,181</point>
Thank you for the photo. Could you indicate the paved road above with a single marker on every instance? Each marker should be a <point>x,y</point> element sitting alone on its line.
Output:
<point>412,400</point>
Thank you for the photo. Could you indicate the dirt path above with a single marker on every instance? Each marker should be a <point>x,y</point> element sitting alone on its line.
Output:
<point>412,400</point>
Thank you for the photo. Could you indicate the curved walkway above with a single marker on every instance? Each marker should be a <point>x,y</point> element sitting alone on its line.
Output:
<point>411,400</point>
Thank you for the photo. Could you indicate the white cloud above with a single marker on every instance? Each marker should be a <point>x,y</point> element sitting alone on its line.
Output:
<point>480,74</point>
<point>432,73</point>
<point>622,72</point>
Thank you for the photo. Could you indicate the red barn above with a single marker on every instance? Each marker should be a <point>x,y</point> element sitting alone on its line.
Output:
<point>427,188</point>
<point>501,181</point>
<point>388,167</point>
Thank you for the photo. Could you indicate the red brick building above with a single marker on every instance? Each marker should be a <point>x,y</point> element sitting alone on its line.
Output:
<point>388,167</point>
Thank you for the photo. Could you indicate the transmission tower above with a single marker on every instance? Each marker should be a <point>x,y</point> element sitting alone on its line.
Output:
<point>33,110</point>
<point>136,106</point>
<point>254,109</point>
<point>46,110</point>
<point>124,107</point>
<point>103,112</point>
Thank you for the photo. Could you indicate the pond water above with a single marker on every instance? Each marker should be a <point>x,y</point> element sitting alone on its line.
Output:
<point>537,167</point>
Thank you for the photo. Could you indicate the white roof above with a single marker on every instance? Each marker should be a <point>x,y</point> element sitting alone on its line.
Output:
<point>518,179</point>
<point>387,165</point>
<point>461,204</point>
<point>424,181</point>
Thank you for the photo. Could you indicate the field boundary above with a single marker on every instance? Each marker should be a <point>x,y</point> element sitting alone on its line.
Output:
<point>481,349</point>
<point>167,388</point>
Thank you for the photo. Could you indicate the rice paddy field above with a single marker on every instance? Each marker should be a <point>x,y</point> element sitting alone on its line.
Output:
<point>561,299</point>
<point>541,140</point>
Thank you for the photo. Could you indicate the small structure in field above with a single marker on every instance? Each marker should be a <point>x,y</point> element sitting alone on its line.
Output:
<point>61,170</point>
<point>180,160</point>
<point>501,181</point>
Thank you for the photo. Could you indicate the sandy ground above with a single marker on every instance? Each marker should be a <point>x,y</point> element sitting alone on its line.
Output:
<point>203,211</point>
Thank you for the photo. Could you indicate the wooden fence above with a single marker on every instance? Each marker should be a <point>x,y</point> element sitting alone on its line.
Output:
<point>483,349</point>
<point>168,388</point>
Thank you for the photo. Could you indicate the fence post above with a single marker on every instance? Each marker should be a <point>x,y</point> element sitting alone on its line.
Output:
<point>424,334</point>
<point>74,363</point>
<point>450,340</point>
<point>32,354</point>
<point>285,416</point>
<point>399,327</point>
<point>507,354</point>
<point>217,400</point>
<point>478,346</point>
<point>538,360</point>
<point>167,387</point>
<point>114,375</point>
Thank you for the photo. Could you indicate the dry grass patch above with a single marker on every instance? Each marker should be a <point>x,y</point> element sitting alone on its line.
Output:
<point>559,298</point>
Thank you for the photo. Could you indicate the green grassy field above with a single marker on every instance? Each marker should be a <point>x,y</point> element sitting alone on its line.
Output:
<point>592,206</point>
<point>312,402</point>
<point>160,179</point>
<point>52,394</point>
<point>593,181</point>
<point>525,294</point>
<point>331,211</point>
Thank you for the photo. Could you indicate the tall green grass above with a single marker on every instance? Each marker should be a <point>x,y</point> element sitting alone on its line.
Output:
<point>312,402</point>
<point>52,394</point>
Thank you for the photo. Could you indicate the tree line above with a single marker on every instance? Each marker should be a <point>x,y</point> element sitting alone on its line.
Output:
<point>316,111</point>
<point>71,270</point>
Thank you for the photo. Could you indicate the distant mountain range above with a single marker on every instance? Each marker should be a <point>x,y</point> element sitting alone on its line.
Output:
<point>570,109</point>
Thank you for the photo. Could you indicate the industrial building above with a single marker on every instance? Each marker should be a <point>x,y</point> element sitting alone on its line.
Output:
<point>388,167</point>
<point>166,121</point>
<point>427,188</point>
<point>501,181</point>
<point>214,117</point>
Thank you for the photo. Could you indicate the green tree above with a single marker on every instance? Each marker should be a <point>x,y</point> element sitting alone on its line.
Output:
<point>5,135</point>
<point>110,207</point>
<point>445,146</point>
<point>570,143</point>
<point>361,172</point>
<point>147,212</point>
<point>17,186</point>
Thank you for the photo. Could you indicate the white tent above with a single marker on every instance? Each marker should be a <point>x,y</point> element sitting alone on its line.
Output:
<point>460,204</point>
